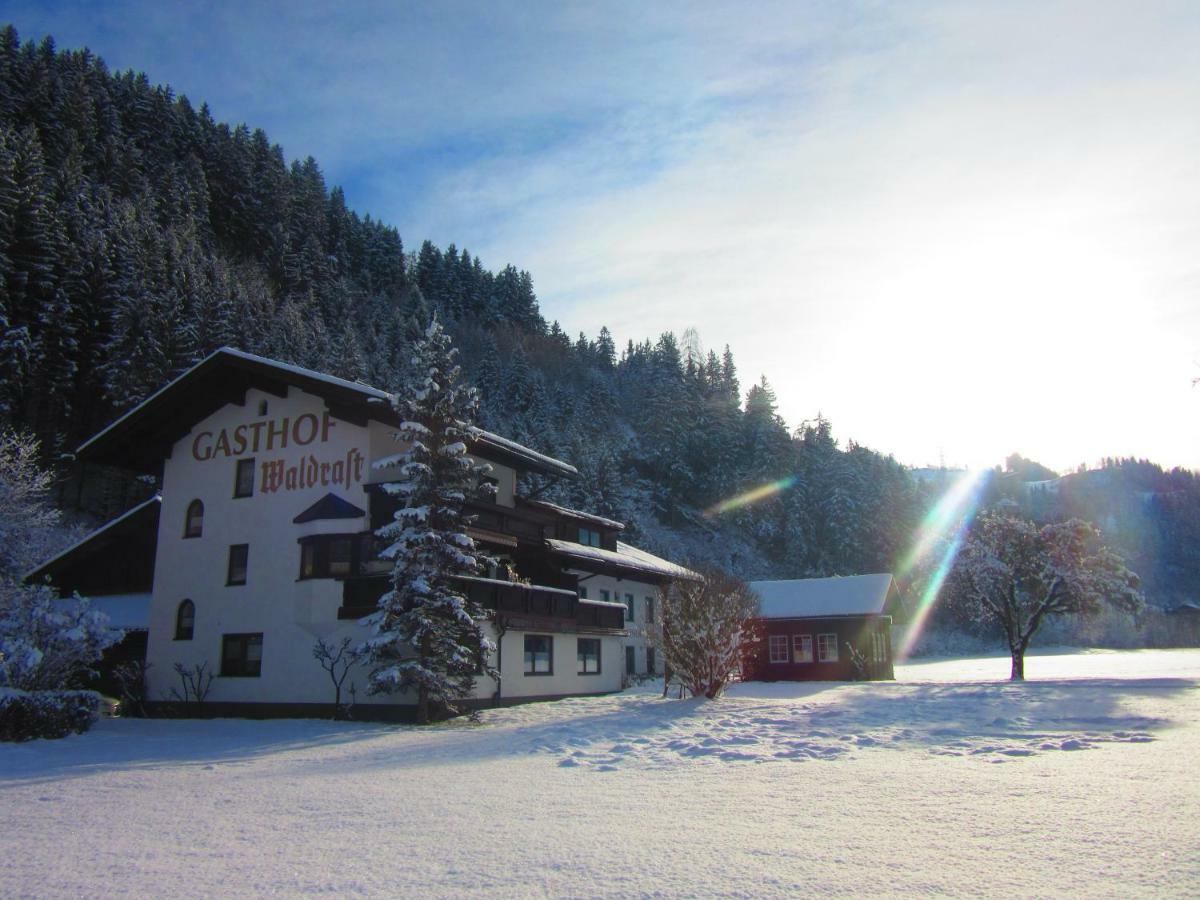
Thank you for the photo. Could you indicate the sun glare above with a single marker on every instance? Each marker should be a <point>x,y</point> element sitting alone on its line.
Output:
<point>941,532</point>
<point>754,495</point>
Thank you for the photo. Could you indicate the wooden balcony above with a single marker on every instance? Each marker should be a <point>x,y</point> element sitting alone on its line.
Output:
<point>519,605</point>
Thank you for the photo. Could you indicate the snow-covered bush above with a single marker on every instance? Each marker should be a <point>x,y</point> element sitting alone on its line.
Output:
<point>26,716</point>
<point>705,627</point>
<point>46,643</point>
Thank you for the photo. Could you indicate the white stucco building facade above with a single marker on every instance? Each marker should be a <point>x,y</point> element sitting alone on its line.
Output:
<point>265,545</point>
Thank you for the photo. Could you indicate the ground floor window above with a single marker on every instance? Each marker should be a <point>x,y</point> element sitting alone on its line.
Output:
<point>650,660</point>
<point>630,661</point>
<point>241,655</point>
<point>539,654</point>
<point>779,648</point>
<point>827,649</point>
<point>588,653</point>
<point>802,648</point>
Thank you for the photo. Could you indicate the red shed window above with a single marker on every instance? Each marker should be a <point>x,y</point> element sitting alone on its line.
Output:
<point>779,648</point>
<point>827,650</point>
<point>802,648</point>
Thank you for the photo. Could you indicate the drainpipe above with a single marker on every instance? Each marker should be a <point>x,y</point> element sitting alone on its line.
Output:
<point>501,630</point>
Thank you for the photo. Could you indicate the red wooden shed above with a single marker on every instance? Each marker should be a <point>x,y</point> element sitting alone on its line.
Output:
<point>825,629</point>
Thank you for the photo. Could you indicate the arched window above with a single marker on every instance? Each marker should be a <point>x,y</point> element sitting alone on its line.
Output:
<point>194,524</point>
<point>185,621</point>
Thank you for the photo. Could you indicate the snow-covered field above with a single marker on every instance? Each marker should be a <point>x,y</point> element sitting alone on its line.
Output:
<point>1084,780</point>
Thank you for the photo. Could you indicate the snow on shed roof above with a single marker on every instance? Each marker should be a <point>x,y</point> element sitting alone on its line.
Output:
<point>625,558</point>
<point>850,595</point>
<point>144,434</point>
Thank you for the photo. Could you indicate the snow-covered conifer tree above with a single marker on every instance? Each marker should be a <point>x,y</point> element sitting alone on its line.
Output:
<point>428,636</point>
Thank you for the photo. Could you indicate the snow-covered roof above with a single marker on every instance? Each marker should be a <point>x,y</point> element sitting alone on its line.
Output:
<point>575,514</point>
<point>156,500</point>
<point>143,435</point>
<point>526,453</point>
<point>128,611</point>
<point>850,595</point>
<point>625,557</point>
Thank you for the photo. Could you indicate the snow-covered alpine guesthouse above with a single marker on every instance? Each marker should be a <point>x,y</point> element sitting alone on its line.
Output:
<point>262,541</point>
<point>825,629</point>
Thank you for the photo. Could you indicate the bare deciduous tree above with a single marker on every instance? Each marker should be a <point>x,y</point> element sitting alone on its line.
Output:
<point>1015,573</point>
<point>704,629</point>
<point>337,662</point>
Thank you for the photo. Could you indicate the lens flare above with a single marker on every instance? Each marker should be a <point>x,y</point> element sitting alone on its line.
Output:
<point>945,524</point>
<point>754,495</point>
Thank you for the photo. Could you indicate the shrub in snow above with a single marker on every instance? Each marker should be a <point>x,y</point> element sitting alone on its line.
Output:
<point>337,661</point>
<point>27,716</point>
<point>46,643</point>
<point>1014,574</point>
<point>194,684</point>
<point>705,627</point>
<point>428,636</point>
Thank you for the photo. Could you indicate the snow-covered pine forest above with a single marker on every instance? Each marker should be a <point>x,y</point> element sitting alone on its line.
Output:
<point>138,233</point>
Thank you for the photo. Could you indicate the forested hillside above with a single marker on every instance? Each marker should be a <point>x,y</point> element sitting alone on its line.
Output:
<point>1150,514</point>
<point>137,234</point>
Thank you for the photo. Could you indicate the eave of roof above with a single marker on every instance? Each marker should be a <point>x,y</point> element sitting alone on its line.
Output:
<point>142,437</point>
<point>625,558</point>
<point>144,506</point>
<point>574,514</point>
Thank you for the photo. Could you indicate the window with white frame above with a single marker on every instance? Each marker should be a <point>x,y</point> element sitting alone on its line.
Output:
<point>629,607</point>
<point>588,654</point>
<point>802,648</point>
<point>827,648</point>
<point>539,654</point>
<point>650,610</point>
<point>779,648</point>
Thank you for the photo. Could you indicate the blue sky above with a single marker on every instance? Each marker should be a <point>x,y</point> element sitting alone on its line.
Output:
<point>956,230</point>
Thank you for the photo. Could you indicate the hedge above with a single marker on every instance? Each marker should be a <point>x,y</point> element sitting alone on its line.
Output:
<point>26,716</point>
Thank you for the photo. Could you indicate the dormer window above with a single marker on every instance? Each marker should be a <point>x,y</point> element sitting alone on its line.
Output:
<point>589,538</point>
<point>193,525</point>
